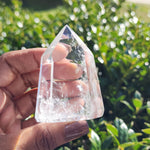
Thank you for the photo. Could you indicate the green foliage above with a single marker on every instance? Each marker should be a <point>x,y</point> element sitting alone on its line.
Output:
<point>121,48</point>
<point>95,140</point>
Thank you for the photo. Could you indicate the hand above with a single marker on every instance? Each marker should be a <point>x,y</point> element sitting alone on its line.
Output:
<point>19,70</point>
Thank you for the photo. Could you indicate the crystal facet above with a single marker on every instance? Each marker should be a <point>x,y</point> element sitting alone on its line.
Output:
<point>68,87</point>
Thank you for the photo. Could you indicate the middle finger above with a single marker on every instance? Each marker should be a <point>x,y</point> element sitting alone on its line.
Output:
<point>24,81</point>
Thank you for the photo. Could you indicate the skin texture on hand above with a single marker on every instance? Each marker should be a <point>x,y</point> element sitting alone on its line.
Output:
<point>19,70</point>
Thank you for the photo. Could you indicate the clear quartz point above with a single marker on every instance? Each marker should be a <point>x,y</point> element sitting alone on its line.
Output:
<point>68,87</point>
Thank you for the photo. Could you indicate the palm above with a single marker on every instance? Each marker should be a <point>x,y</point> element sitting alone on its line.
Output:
<point>13,116</point>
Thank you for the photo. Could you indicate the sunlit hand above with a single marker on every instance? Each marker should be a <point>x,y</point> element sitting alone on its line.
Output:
<point>19,70</point>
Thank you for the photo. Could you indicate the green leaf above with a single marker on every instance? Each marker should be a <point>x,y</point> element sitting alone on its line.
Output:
<point>147,130</point>
<point>122,130</point>
<point>128,105</point>
<point>137,103</point>
<point>113,129</point>
<point>143,72</point>
<point>137,95</point>
<point>92,124</point>
<point>107,142</point>
<point>132,135</point>
<point>80,148</point>
<point>95,140</point>
<point>64,148</point>
<point>147,124</point>
<point>128,144</point>
<point>148,107</point>
<point>146,140</point>
<point>116,140</point>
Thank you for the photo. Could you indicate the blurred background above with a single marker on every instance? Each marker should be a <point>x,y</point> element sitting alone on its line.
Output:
<point>118,34</point>
<point>38,4</point>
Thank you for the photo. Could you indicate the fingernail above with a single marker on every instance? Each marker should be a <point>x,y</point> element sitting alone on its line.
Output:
<point>76,130</point>
<point>59,52</point>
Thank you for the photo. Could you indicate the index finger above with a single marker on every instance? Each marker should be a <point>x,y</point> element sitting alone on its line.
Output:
<point>24,61</point>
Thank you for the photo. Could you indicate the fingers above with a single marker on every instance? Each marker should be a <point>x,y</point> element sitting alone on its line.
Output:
<point>70,88</point>
<point>24,61</point>
<point>28,123</point>
<point>63,70</point>
<point>73,89</point>
<point>7,112</point>
<point>16,84</point>
<point>48,136</point>
<point>26,104</point>
<point>65,89</point>
<point>59,52</point>
<point>1,132</point>
<point>21,83</point>
<point>18,62</point>
<point>76,104</point>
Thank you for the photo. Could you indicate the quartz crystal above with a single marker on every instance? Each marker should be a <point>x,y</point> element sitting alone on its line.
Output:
<point>68,87</point>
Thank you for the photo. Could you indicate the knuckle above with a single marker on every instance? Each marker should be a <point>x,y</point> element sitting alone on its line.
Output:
<point>44,139</point>
<point>4,56</point>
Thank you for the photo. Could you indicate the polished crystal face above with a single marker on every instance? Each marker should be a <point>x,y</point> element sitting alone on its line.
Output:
<point>68,87</point>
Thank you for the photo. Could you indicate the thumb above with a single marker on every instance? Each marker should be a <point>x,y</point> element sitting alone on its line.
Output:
<point>46,136</point>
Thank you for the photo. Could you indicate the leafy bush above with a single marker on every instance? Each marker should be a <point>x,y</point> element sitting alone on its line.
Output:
<point>120,44</point>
